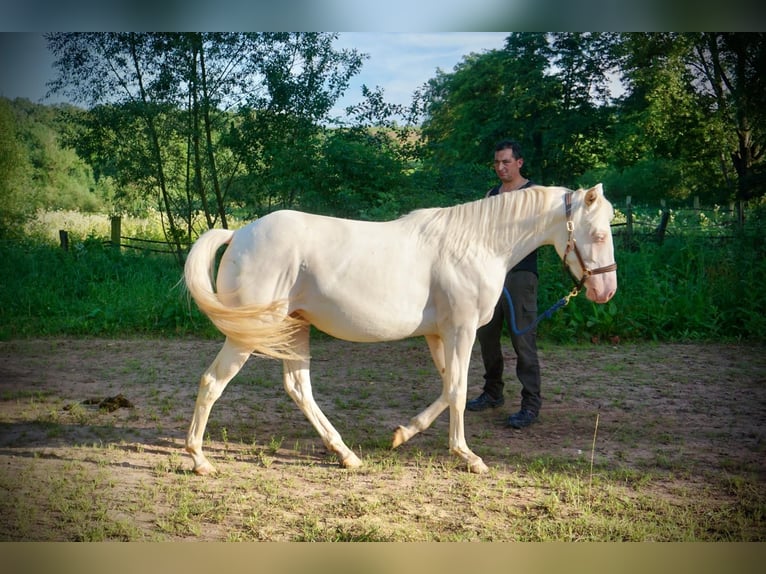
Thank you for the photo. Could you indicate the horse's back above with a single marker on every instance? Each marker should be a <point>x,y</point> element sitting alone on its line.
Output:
<point>356,280</point>
<point>295,237</point>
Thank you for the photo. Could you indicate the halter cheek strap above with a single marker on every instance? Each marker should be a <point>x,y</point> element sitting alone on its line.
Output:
<point>572,247</point>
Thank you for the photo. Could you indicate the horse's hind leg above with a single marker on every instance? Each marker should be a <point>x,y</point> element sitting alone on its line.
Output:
<point>226,365</point>
<point>298,385</point>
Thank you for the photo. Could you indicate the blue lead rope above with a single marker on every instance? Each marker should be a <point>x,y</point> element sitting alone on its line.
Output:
<point>545,315</point>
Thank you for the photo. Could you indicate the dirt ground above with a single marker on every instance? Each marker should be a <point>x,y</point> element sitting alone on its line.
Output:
<point>114,414</point>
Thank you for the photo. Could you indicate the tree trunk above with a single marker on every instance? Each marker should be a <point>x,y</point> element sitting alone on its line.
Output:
<point>154,139</point>
<point>209,139</point>
<point>197,152</point>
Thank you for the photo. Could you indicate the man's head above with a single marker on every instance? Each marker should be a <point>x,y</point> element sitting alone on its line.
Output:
<point>508,161</point>
<point>512,145</point>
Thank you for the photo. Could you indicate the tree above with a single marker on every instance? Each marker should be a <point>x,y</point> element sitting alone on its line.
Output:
<point>165,103</point>
<point>695,102</point>
<point>548,91</point>
<point>368,164</point>
<point>487,97</point>
<point>579,138</point>
<point>13,208</point>
<point>657,124</point>
<point>131,71</point>
<point>43,173</point>
<point>277,133</point>
<point>733,69</point>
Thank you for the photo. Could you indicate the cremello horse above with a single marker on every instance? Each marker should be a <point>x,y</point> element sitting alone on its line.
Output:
<point>434,272</point>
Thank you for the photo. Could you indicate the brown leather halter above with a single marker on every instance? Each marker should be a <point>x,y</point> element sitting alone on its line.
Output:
<point>572,247</point>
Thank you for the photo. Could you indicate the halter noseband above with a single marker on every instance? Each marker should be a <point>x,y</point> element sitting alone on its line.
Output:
<point>572,247</point>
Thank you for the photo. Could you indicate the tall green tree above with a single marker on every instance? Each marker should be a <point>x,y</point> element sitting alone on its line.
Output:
<point>548,91</point>
<point>277,132</point>
<point>732,67</point>
<point>694,112</point>
<point>583,63</point>
<point>488,96</point>
<point>365,165</point>
<point>166,104</point>
<point>13,207</point>
<point>130,72</point>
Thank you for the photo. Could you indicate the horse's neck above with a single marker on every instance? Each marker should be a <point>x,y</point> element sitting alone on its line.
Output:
<point>525,221</point>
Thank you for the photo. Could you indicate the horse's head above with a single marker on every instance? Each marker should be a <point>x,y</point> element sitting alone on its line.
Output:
<point>588,252</point>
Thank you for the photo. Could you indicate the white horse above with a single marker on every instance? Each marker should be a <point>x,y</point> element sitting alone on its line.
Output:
<point>434,272</point>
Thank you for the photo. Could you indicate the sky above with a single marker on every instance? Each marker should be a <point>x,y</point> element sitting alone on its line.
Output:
<point>398,62</point>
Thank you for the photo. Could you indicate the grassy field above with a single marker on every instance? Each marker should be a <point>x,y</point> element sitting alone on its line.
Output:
<point>645,444</point>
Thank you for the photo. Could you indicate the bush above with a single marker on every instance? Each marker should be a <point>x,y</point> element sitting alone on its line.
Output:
<point>93,290</point>
<point>685,289</point>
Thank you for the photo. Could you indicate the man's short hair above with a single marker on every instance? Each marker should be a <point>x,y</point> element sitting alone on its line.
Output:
<point>512,145</point>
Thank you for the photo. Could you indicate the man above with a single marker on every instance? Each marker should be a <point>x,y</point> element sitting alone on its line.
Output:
<point>521,283</point>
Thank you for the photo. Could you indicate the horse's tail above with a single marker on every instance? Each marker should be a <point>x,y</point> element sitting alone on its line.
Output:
<point>264,328</point>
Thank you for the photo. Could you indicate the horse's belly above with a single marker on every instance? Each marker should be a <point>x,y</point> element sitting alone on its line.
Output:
<point>376,323</point>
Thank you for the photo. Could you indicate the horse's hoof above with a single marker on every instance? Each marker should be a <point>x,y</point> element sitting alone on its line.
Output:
<point>351,461</point>
<point>478,467</point>
<point>204,469</point>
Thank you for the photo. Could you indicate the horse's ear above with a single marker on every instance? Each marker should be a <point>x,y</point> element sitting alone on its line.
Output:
<point>593,194</point>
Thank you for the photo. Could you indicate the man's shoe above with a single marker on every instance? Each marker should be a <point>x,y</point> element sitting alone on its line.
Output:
<point>484,402</point>
<point>522,419</point>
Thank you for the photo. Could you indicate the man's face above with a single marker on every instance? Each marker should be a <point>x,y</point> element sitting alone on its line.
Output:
<point>507,167</point>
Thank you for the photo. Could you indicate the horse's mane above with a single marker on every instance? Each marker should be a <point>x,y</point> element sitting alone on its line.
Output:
<point>477,225</point>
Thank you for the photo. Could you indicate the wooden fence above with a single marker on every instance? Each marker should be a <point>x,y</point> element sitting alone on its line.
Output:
<point>120,241</point>
<point>641,223</point>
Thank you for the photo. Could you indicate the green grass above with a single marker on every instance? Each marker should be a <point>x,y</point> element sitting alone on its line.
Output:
<point>541,498</point>
<point>93,291</point>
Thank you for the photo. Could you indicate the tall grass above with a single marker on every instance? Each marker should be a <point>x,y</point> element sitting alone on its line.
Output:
<point>92,290</point>
<point>46,224</point>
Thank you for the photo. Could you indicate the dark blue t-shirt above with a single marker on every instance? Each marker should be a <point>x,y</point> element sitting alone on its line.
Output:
<point>529,263</point>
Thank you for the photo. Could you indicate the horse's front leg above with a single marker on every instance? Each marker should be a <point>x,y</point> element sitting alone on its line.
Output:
<point>457,358</point>
<point>226,365</point>
<point>298,385</point>
<point>423,420</point>
<point>451,359</point>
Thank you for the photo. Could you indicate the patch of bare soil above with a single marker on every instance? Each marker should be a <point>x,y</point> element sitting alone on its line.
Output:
<point>113,414</point>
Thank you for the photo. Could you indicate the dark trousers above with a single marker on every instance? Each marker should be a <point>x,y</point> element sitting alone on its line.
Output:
<point>522,286</point>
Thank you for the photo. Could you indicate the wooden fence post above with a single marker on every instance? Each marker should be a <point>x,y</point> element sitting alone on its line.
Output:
<point>628,222</point>
<point>663,227</point>
<point>64,239</point>
<point>116,231</point>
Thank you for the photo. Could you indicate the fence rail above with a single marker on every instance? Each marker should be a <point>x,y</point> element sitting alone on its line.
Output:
<point>641,223</point>
<point>118,240</point>
<point>710,223</point>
